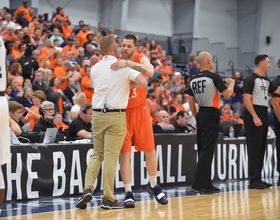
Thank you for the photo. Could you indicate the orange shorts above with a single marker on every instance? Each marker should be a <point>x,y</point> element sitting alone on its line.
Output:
<point>139,126</point>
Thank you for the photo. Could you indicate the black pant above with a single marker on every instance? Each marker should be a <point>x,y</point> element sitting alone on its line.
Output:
<point>277,133</point>
<point>256,140</point>
<point>208,122</point>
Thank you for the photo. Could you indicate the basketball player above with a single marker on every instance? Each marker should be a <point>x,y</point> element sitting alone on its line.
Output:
<point>139,125</point>
<point>4,120</point>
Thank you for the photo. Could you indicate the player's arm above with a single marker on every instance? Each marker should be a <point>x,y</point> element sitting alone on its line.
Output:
<point>192,104</point>
<point>144,67</point>
<point>249,106</point>
<point>276,107</point>
<point>140,82</point>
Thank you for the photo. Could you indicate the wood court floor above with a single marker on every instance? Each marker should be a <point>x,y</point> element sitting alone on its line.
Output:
<point>234,202</point>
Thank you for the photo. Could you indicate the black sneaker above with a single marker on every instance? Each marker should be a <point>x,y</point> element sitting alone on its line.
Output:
<point>215,189</point>
<point>128,200</point>
<point>85,198</point>
<point>201,191</point>
<point>107,204</point>
<point>267,185</point>
<point>158,194</point>
<point>257,184</point>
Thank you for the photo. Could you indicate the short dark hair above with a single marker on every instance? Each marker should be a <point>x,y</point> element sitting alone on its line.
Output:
<point>259,58</point>
<point>181,113</point>
<point>131,37</point>
<point>51,82</point>
<point>89,35</point>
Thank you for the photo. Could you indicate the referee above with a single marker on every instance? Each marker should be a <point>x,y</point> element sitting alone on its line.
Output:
<point>256,89</point>
<point>206,87</point>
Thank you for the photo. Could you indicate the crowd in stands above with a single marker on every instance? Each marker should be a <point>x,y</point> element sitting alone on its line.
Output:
<point>49,61</point>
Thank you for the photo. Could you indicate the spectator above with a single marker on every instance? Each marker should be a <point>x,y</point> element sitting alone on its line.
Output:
<point>57,120</point>
<point>56,35</point>
<point>236,117</point>
<point>89,41</point>
<point>78,101</point>
<point>163,117</point>
<point>57,24</point>
<point>8,22</point>
<point>55,94</point>
<point>176,106</point>
<point>16,73</point>
<point>237,96</point>
<point>82,35</point>
<point>181,123</point>
<point>8,92</point>
<point>46,121</point>
<point>80,57</point>
<point>33,115</point>
<point>38,82</point>
<point>66,29</point>
<point>194,68</point>
<point>24,10</point>
<point>81,126</point>
<point>63,74</point>
<point>70,90</point>
<point>70,47</point>
<point>16,91</point>
<point>101,30</point>
<point>81,24</point>
<point>87,87</point>
<point>26,99</point>
<point>152,105</point>
<point>154,48</point>
<point>27,82</point>
<point>15,112</point>
<point>89,51</point>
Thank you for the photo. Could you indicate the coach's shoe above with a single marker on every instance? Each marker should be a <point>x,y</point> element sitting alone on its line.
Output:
<point>201,191</point>
<point>257,184</point>
<point>128,200</point>
<point>158,194</point>
<point>267,185</point>
<point>107,204</point>
<point>85,198</point>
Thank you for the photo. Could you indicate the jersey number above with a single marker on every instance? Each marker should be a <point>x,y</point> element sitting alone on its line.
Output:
<point>133,93</point>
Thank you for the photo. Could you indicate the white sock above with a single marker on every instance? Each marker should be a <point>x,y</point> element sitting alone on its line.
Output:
<point>153,181</point>
<point>0,211</point>
<point>127,187</point>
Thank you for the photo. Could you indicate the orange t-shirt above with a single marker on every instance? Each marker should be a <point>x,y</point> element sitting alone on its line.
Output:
<point>60,72</point>
<point>83,72</point>
<point>9,37</point>
<point>85,84</point>
<point>31,119</point>
<point>66,30</point>
<point>69,48</point>
<point>137,96</point>
<point>15,54</point>
<point>226,117</point>
<point>178,107</point>
<point>45,51</point>
<point>166,69</point>
<point>59,102</point>
<point>82,37</point>
<point>26,11</point>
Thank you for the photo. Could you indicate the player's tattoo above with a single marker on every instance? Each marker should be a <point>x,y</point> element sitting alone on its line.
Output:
<point>139,68</point>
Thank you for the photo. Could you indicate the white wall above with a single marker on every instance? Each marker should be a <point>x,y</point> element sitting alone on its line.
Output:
<point>77,10</point>
<point>216,23</point>
<point>269,26</point>
<point>150,16</point>
<point>5,3</point>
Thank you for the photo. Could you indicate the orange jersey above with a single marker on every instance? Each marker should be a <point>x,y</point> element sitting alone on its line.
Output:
<point>62,125</point>
<point>66,30</point>
<point>31,119</point>
<point>136,96</point>
<point>178,107</point>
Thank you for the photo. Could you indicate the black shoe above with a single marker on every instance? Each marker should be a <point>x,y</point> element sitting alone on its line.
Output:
<point>158,194</point>
<point>267,185</point>
<point>201,191</point>
<point>215,189</point>
<point>128,200</point>
<point>257,184</point>
<point>278,183</point>
<point>85,198</point>
<point>107,204</point>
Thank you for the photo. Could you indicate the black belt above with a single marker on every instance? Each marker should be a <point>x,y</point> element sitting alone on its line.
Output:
<point>2,94</point>
<point>108,110</point>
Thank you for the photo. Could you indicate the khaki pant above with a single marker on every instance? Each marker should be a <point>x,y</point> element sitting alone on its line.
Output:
<point>109,132</point>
